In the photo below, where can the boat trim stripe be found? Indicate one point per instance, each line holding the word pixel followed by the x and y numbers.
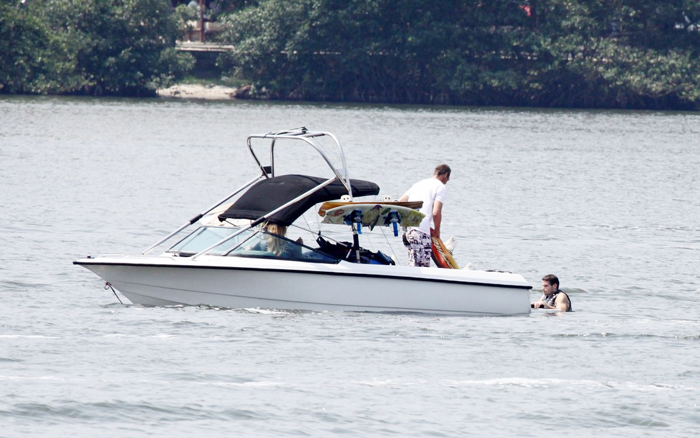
pixel 290 271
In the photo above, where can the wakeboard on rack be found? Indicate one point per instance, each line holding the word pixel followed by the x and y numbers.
pixel 371 214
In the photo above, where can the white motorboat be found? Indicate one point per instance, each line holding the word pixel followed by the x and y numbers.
pixel 232 259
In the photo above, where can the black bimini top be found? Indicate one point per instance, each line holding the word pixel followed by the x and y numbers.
pixel 269 194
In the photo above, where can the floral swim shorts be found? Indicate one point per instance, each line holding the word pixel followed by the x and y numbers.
pixel 419 249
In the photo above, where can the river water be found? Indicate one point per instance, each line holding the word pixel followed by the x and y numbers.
pixel 608 201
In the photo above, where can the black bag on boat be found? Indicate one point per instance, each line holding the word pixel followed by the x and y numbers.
pixel 344 251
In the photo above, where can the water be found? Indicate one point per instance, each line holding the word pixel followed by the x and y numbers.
pixel 609 201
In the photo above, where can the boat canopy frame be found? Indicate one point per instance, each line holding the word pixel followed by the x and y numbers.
pixel 268 194
pixel 309 137
pixel 300 134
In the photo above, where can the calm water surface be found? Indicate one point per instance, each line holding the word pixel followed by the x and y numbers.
pixel 609 201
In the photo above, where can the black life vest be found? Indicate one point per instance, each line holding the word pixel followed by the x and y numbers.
pixel 551 300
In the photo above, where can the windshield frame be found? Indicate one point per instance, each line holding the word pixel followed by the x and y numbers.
pixel 215 233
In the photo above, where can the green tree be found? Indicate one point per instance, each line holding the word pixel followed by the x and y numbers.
pixel 609 53
pixel 121 47
pixel 377 50
pixel 32 60
pixel 618 54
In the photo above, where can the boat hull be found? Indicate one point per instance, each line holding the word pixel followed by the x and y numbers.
pixel 344 287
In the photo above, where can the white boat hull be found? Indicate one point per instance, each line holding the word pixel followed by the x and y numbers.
pixel 234 282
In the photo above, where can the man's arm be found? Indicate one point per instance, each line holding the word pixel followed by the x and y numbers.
pixel 562 303
pixel 403 198
pixel 437 217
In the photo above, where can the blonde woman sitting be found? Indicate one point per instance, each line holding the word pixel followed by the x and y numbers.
pixel 279 246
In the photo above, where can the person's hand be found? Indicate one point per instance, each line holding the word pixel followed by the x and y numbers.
pixel 300 241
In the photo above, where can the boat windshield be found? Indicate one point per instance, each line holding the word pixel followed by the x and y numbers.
pixel 203 237
pixel 273 246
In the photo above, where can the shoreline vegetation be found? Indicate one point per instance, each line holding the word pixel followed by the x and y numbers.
pixel 616 54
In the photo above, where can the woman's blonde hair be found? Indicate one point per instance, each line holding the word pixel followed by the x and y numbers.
pixel 274 244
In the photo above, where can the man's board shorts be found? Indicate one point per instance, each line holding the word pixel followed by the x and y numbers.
pixel 419 249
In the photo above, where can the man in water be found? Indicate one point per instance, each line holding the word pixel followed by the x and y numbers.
pixel 432 192
pixel 552 296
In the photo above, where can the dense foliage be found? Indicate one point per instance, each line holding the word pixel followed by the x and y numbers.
pixel 565 53
pixel 121 47
pixel 571 53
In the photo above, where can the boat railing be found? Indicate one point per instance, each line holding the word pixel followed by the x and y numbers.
pixel 308 137
pixel 201 215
